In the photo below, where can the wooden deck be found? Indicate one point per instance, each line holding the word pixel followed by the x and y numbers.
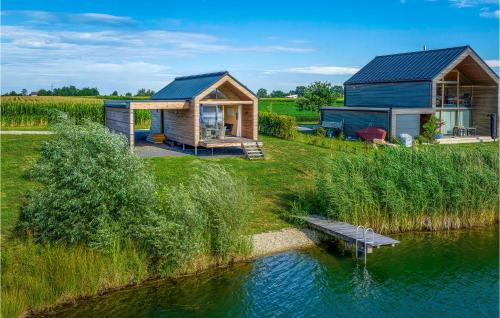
pixel 226 142
pixel 347 232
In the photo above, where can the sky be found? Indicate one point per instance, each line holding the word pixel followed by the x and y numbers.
pixel 126 45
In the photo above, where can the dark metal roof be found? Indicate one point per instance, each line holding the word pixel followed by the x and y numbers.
pixel 406 67
pixel 187 87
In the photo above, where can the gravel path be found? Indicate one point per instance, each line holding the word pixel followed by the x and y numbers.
pixel 279 241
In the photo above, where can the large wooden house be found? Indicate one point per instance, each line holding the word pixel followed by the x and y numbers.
pixel 207 110
pixel 399 92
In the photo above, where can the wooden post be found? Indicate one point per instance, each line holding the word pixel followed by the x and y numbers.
pixel 131 129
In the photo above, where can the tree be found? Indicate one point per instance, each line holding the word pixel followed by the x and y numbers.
pixel 261 93
pixel 128 94
pixel 145 92
pixel 299 90
pixel 44 92
pixel 338 91
pixel 24 92
pixel 277 94
pixel 115 93
pixel 315 96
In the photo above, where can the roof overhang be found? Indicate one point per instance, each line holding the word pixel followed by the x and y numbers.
pixel 148 104
pixel 469 52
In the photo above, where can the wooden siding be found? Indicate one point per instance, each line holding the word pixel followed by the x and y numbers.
pixel 415 94
pixel 179 126
pixel 355 120
pixel 485 102
pixel 121 121
pixel 155 127
pixel 249 121
pixel 407 124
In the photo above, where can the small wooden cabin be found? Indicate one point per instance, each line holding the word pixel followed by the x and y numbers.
pixel 399 92
pixel 207 110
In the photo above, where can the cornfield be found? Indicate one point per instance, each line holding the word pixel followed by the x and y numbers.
pixel 31 111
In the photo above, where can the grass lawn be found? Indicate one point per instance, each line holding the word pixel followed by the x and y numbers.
pixel 18 153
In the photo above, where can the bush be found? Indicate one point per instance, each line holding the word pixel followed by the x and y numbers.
pixel 321 131
pixel 280 126
pixel 92 187
pixel 398 189
pixel 430 129
pixel 205 217
pixel 95 192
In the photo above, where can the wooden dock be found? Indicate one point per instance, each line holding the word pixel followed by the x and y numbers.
pixel 349 233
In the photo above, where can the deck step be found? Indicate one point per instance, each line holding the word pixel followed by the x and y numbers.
pixel 253 150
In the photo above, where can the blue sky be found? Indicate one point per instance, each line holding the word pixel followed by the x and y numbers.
pixel 126 45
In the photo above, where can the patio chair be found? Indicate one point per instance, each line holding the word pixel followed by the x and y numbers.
pixel 228 128
pixel 333 126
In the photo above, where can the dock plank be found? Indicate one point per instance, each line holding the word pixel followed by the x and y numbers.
pixel 346 231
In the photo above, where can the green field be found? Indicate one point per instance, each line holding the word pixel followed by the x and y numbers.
pixel 288 106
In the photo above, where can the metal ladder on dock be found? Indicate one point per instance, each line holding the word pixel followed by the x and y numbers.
pixel 252 150
pixel 364 240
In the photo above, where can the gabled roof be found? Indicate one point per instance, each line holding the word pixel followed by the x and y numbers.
pixel 188 87
pixel 406 67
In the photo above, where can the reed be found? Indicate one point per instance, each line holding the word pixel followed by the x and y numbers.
pixel 33 111
pixel 397 190
pixel 37 275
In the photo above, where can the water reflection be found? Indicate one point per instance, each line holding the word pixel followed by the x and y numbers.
pixel 427 275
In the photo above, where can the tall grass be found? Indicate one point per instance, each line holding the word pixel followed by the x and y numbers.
pixel 33 111
pixel 36 275
pixel 395 190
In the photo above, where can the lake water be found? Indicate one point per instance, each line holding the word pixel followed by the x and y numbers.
pixel 452 274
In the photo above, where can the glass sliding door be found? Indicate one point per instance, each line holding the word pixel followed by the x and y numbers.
pixel 211 121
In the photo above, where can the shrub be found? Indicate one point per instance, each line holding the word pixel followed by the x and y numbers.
pixel 321 131
pixel 95 192
pixel 92 187
pixel 280 126
pixel 430 129
pixel 398 189
pixel 205 217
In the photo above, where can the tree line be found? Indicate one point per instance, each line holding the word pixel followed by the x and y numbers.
pixel 74 91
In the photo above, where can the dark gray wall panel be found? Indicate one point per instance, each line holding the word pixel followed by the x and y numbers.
pixel 415 94
pixel 356 120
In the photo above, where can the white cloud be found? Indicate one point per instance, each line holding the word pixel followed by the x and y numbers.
pixel 471 3
pixel 37 57
pixel 324 70
pixel 486 13
pixel 493 63
pixel 44 18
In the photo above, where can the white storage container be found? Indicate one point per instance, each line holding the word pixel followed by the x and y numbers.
pixel 406 140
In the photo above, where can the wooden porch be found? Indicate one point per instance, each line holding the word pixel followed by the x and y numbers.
pixel 226 142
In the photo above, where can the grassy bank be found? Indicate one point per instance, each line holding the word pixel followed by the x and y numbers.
pixel 288 106
pixel 36 275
